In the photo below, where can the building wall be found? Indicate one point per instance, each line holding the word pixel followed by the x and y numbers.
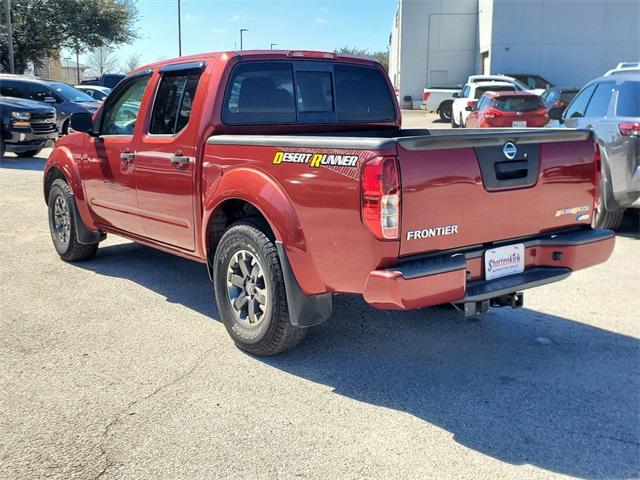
pixel 440 42
pixel 568 42
pixel 436 44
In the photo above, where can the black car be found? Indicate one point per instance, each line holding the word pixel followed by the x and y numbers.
pixel 26 127
pixel 558 96
pixel 532 81
pixel 64 98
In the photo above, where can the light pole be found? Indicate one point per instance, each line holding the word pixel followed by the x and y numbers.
pixel 12 66
pixel 242 30
pixel 273 45
pixel 179 32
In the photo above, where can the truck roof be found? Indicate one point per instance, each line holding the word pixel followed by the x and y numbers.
pixel 264 55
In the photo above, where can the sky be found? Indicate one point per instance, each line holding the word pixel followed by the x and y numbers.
pixel 213 25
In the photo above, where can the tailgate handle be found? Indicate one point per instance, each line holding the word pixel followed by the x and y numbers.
pixel 512 170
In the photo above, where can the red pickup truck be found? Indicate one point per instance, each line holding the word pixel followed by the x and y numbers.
pixel 288 174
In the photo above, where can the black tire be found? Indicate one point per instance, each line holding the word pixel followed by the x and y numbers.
pixel 445 112
pixel 65 127
pixel 62 227
pixel 29 153
pixel 608 219
pixel 273 332
pixel 2 147
pixel 462 124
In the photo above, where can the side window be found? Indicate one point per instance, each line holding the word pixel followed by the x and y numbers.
pixel 465 91
pixel 172 106
pixel 39 92
pixel 628 103
pixel 10 88
pixel 599 103
pixel 579 104
pixel 120 114
pixel 260 93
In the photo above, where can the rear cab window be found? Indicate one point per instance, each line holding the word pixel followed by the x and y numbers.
pixel 499 88
pixel 306 92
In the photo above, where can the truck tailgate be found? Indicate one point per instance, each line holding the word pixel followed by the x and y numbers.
pixel 479 187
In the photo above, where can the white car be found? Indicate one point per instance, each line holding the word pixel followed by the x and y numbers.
pixel 439 100
pixel 470 94
pixel 97 92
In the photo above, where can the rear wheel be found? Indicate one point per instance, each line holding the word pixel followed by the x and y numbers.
pixel 29 153
pixel 62 227
pixel 250 291
pixel 445 112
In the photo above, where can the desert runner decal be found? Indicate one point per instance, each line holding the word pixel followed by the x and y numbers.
pixel 316 160
pixel 572 210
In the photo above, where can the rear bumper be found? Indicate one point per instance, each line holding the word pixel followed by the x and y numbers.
pixel 458 276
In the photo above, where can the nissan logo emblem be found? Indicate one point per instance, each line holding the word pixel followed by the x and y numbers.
pixel 510 150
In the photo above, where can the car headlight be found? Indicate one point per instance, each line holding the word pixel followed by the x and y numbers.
pixel 21 115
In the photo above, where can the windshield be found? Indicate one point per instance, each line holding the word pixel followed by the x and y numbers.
pixel 497 88
pixel 71 94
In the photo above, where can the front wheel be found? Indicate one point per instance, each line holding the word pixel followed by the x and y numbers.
pixel 250 291
pixel 62 227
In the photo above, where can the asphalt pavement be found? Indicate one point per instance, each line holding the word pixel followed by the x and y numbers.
pixel 118 368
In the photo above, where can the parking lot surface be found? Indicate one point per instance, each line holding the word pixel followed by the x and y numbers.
pixel 118 368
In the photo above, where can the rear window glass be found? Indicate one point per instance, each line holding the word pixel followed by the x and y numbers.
pixel 628 100
pixel 517 104
pixel 500 88
pixel 280 93
pixel 362 95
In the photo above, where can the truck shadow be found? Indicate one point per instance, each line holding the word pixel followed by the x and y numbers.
pixel 520 386
pixel 25 163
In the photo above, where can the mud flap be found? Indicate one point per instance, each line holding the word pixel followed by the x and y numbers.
pixel 83 234
pixel 304 310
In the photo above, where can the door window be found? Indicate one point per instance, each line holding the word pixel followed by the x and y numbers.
pixel 11 88
pixel 173 103
pixel 121 113
pixel 599 103
pixel 579 104
pixel 465 91
pixel 39 92
pixel 628 104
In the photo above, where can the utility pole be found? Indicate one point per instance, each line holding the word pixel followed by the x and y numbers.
pixel 78 64
pixel 242 30
pixel 179 32
pixel 12 66
pixel 273 45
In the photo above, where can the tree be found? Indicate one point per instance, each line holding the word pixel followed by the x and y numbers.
pixel 102 60
pixel 131 62
pixel 42 27
pixel 382 56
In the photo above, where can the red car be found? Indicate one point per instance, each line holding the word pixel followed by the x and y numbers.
pixel 507 109
pixel 288 176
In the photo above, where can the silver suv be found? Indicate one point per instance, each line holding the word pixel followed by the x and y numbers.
pixel 610 106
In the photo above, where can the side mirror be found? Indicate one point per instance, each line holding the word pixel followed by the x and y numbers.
pixel 50 100
pixel 456 95
pixel 555 113
pixel 81 122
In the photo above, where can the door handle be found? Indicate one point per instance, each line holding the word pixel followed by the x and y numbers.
pixel 179 160
pixel 127 157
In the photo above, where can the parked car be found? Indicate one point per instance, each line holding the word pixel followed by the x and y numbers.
pixel 534 83
pixel 507 110
pixel 97 92
pixel 64 98
pixel 439 100
pixel 26 127
pixel 280 171
pixel 610 106
pixel 558 96
pixel 468 96
pixel 497 78
pixel 109 80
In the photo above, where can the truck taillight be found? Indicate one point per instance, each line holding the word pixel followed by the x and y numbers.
pixel 598 198
pixel 381 197
pixel 630 129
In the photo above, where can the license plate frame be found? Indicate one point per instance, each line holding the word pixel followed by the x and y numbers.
pixel 504 261
pixel 519 124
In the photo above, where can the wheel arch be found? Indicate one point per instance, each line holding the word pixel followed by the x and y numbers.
pixel 246 193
